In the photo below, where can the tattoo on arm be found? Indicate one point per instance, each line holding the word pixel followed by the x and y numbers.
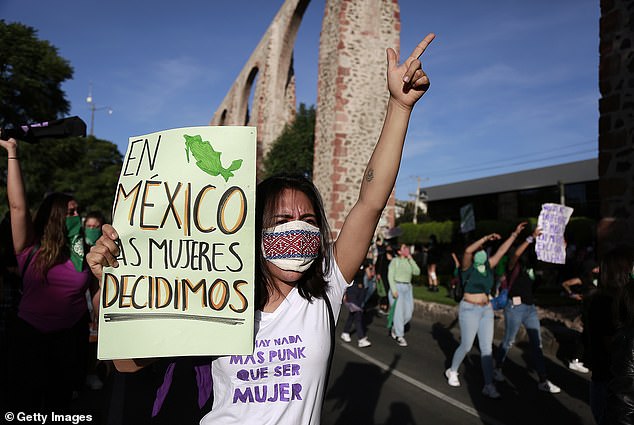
pixel 369 175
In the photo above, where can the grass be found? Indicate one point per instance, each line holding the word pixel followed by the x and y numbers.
pixel 421 292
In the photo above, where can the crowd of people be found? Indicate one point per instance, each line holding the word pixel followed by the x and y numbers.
pixel 50 296
pixel 53 261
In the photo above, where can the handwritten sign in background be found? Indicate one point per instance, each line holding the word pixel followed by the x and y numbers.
pixel 550 246
pixel 184 211
pixel 467 218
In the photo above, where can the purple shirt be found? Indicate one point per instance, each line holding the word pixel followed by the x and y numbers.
pixel 54 303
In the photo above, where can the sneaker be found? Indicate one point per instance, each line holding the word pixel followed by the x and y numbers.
pixel 401 341
pixel 393 334
pixel 548 387
pixel 346 337
pixel 452 378
pixel 93 382
pixel 364 342
pixel 578 366
pixel 497 375
pixel 490 391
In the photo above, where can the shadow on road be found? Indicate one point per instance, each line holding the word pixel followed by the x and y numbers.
pixel 356 392
pixel 400 414
pixel 521 402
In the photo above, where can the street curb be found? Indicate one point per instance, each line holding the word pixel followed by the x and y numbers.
pixel 560 327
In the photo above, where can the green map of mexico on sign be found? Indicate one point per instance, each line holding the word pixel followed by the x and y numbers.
pixel 184 210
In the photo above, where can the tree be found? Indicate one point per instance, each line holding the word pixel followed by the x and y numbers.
pixel 292 152
pixel 407 215
pixel 88 168
pixel 31 75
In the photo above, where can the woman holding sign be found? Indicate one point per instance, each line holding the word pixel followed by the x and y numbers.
pixel 285 379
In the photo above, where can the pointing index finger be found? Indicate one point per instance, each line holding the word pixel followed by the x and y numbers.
pixel 420 49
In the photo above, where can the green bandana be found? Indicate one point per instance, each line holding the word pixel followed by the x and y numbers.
pixel 479 261
pixel 75 242
pixel 531 274
pixel 91 234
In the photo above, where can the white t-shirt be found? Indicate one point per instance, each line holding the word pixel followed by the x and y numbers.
pixel 283 381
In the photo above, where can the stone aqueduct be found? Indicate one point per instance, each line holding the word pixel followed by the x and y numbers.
pixel 353 37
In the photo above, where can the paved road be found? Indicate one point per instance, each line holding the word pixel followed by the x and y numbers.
pixel 388 384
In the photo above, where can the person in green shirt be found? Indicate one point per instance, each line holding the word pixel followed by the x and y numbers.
pixel 400 273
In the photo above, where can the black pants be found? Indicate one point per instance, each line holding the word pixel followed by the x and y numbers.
pixel 44 368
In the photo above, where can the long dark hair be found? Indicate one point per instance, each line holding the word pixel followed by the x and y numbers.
pixel 312 284
pixel 50 232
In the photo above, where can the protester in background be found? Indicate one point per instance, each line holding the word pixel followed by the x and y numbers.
pixel 382 264
pixel 475 313
pixel 607 309
pixel 369 283
pixel 433 257
pixel 455 276
pixel 93 222
pixel 521 310
pixel 299 297
pixel 52 323
pixel 400 273
pixel 92 227
pixel 581 283
pixel 354 299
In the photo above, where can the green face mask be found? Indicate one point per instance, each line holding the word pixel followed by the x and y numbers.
pixel 75 242
pixel 91 234
pixel 479 261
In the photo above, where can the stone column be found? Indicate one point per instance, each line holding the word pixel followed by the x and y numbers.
pixel 351 97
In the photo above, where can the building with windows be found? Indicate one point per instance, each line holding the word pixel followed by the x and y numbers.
pixel 520 194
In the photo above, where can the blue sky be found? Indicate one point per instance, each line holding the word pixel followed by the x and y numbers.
pixel 514 82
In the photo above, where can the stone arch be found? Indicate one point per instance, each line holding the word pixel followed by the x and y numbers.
pixel 274 101
pixel 223 117
pixel 246 94
pixel 353 38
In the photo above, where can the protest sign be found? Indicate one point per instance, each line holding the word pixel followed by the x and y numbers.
pixel 184 212
pixel 467 218
pixel 550 246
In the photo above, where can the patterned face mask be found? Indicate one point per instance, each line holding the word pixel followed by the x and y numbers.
pixel 291 246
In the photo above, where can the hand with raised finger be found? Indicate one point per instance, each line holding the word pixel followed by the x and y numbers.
pixel 408 82
pixel 105 251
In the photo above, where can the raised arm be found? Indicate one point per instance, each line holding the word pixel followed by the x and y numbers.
pixel 506 245
pixel 21 223
pixel 407 83
pixel 467 256
pixel 522 247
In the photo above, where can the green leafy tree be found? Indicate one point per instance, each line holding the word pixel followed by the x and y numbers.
pixel 292 152
pixel 31 74
pixel 88 168
pixel 407 215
